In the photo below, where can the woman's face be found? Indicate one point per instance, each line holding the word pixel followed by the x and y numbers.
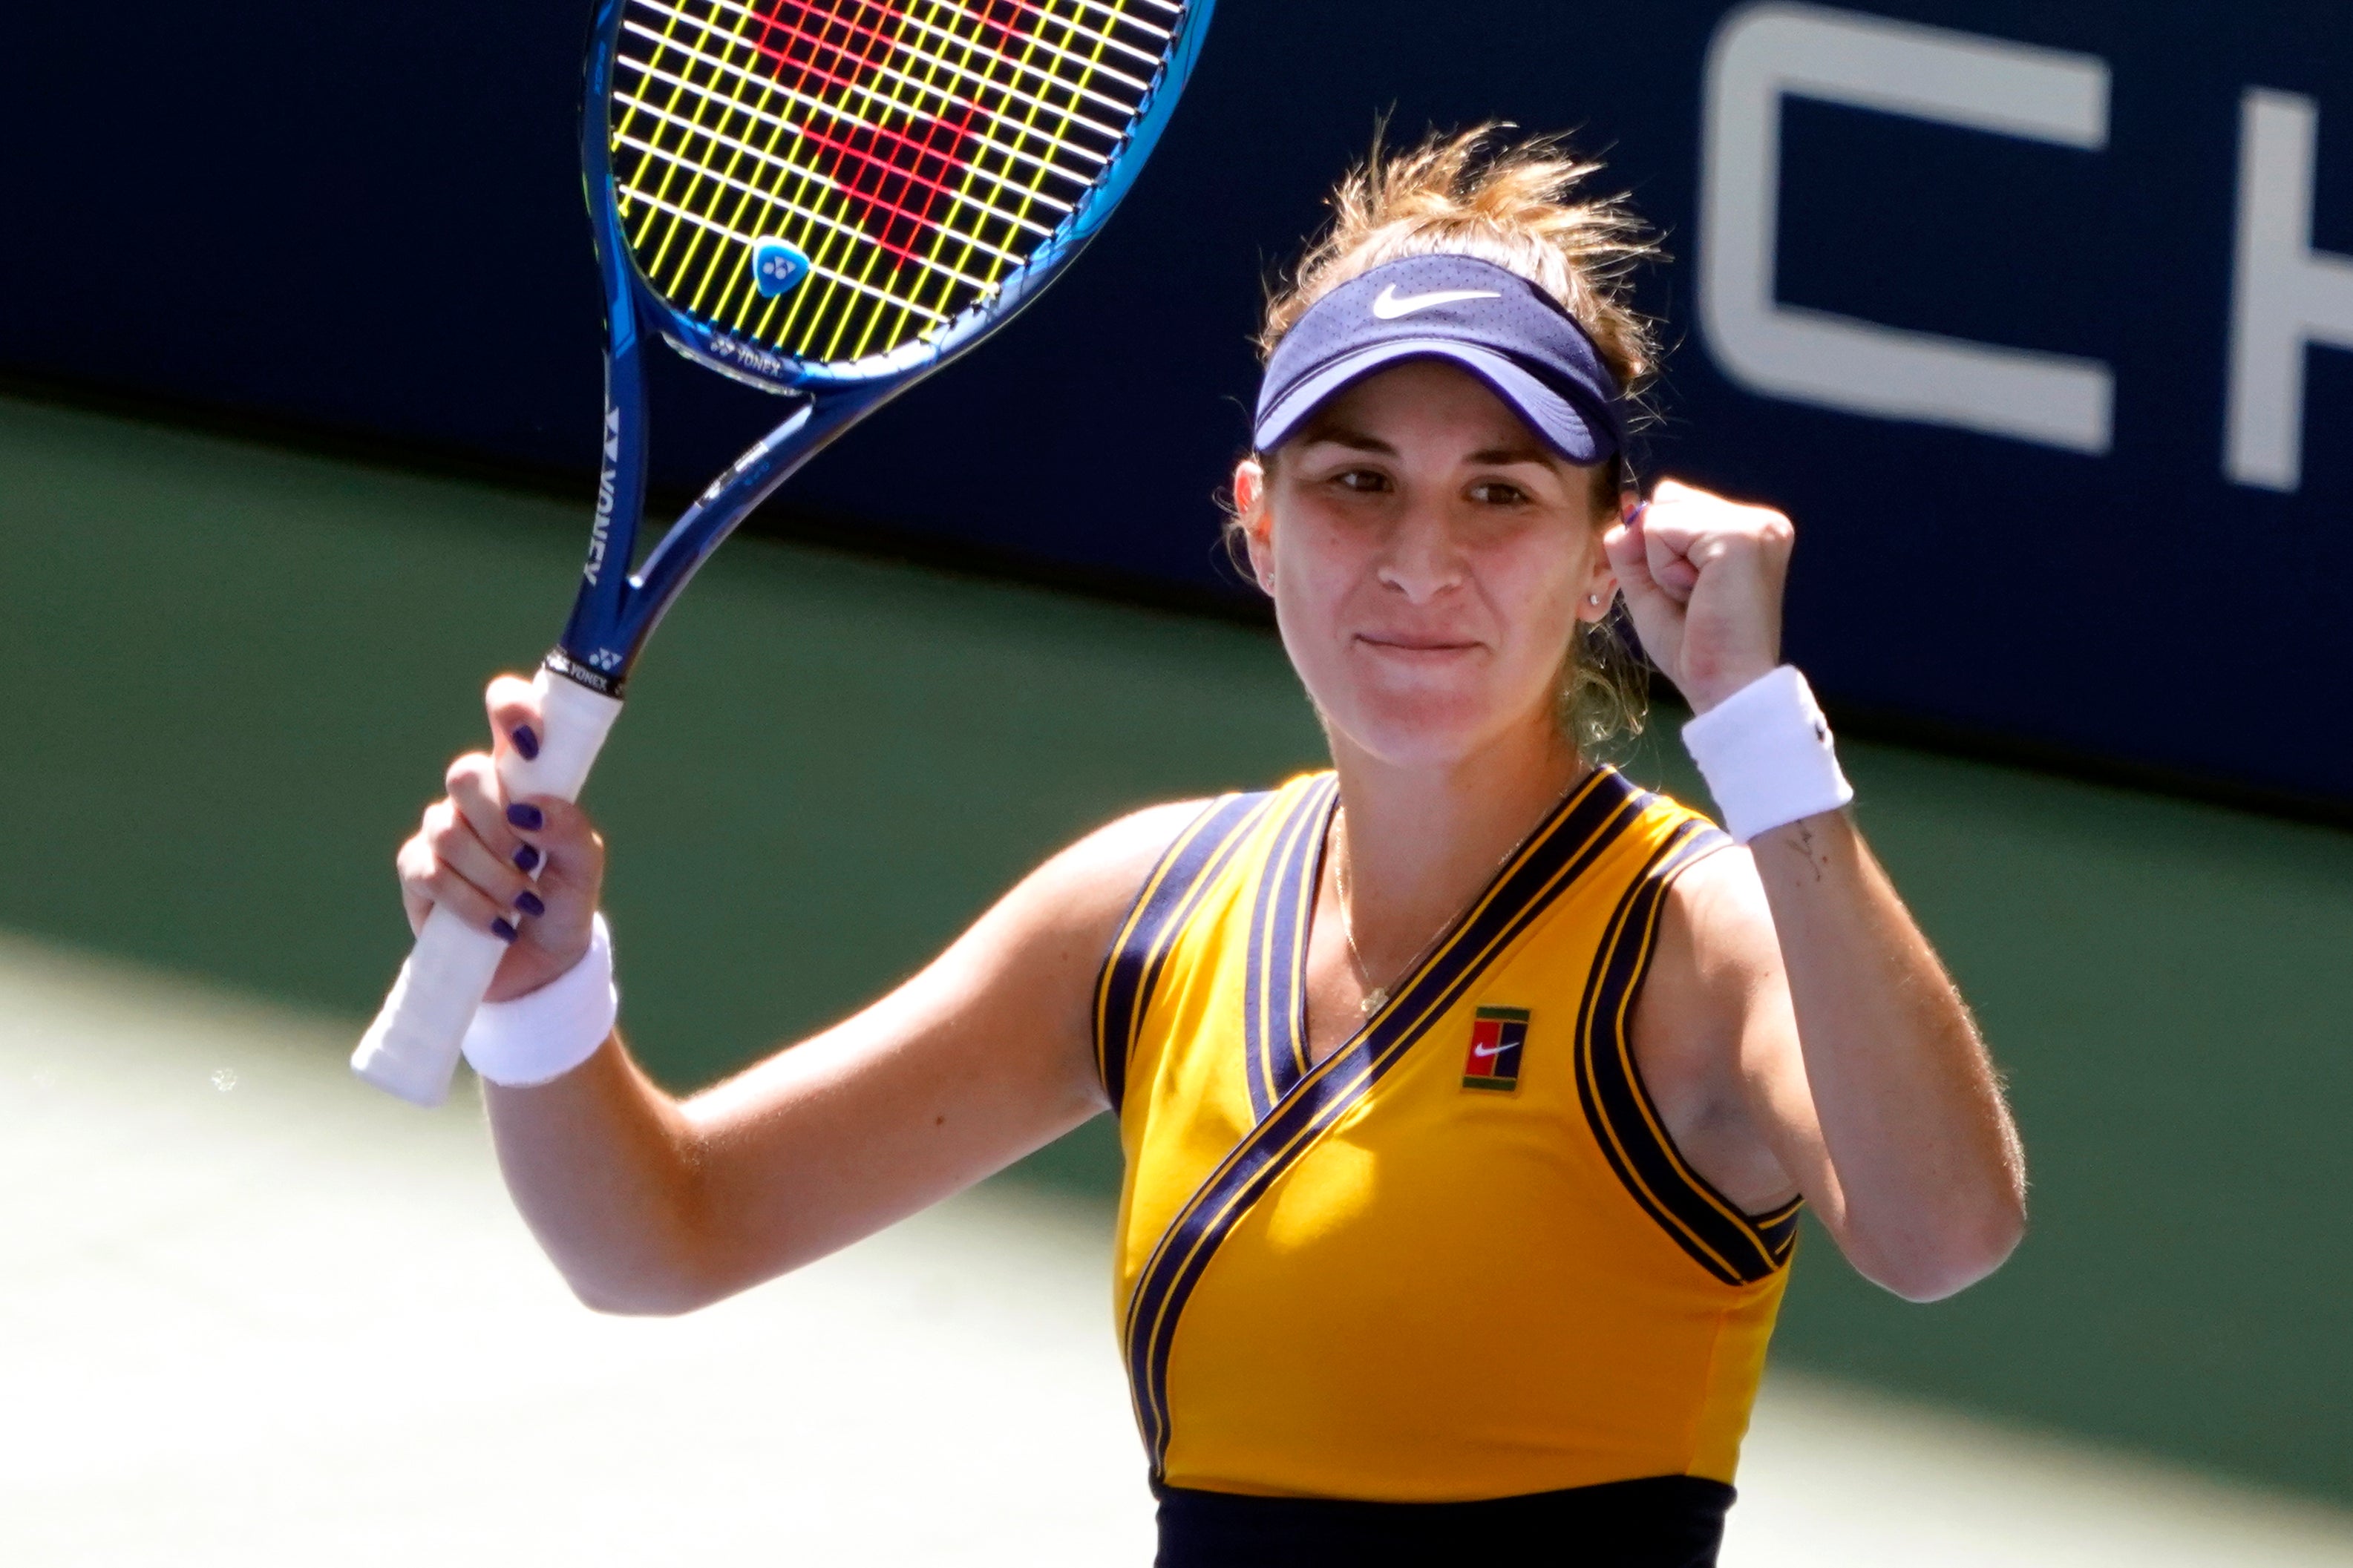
pixel 1429 557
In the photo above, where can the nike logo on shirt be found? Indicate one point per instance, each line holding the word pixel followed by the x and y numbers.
pixel 1489 1050
pixel 1392 305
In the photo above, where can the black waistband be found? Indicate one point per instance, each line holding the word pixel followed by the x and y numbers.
pixel 1663 1522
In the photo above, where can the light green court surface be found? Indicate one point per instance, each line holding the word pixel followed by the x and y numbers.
pixel 235 673
pixel 279 1321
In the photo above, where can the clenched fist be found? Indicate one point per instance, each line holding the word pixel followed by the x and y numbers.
pixel 1702 579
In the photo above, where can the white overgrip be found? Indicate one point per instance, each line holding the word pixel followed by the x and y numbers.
pixel 411 1050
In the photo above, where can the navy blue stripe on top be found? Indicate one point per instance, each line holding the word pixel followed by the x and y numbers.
pixel 1163 905
pixel 1705 1224
pixel 1275 981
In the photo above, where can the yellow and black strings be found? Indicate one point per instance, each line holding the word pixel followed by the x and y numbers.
pixel 916 152
pixel 831 232
pixel 945 40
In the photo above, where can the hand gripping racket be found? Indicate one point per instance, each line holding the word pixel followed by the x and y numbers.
pixel 825 199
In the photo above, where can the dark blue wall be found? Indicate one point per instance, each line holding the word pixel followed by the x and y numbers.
pixel 369 218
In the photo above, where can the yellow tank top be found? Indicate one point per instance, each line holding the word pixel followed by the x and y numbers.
pixel 1460 1259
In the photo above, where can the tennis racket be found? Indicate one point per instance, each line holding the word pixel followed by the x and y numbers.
pixel 824 199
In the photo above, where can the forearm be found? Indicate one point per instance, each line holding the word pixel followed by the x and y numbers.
pixel 1928 1184
pixel 606 1171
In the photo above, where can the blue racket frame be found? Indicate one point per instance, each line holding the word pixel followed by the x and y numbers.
pixel 619 604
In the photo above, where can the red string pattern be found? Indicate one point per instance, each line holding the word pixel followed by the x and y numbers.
pixel 900 183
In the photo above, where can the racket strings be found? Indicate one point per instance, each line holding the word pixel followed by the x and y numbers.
pixel 914 151
pixel 857 42
pixel 874 194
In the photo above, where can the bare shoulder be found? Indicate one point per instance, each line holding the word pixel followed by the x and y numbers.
pixel 1059 922
pixel 1717 926
pixel 1715 960
pixel 1713 1008
pixel 1096 879
pixel 1005 1011
pixel 1022 982
pixel 1134 842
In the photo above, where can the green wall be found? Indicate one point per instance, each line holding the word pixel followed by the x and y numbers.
pixel 234 674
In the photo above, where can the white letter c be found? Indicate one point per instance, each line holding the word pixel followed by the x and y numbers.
pixel 1762 53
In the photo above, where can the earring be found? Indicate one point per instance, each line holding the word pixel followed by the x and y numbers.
pixel 1594 599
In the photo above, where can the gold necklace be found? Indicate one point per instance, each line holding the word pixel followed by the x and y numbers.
pixel 1376 997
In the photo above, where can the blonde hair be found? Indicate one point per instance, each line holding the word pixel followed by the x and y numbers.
pixel 1519 205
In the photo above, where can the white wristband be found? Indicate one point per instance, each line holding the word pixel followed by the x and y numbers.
pixel 1766 754
pixel 541 1035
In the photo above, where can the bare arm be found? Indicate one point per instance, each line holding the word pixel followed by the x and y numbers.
pixel 651 1204
pixel 1909 1144
pixel 1802 1031
pixel 1825 1052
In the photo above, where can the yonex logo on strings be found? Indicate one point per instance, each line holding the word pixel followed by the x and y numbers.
pixel 777 266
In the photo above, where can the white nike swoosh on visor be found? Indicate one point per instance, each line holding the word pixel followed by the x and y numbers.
pixel 1390 306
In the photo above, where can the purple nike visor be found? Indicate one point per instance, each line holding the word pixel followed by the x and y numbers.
pixel 1494 324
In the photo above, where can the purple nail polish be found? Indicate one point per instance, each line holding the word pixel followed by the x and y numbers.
pixel 528 902
pixel 527 817
pixel 526 859
pixel 503 931
pixel 527 741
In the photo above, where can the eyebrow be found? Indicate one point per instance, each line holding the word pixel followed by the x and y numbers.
pixel 1487 457
pixel 1341 435
pixel 1502 457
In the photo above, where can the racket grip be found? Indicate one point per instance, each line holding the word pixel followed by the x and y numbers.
pixel 411 1050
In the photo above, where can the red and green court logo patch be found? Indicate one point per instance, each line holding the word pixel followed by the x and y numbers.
pixel 1497 1036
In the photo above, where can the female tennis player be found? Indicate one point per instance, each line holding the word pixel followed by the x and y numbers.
pixel 1469 1093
